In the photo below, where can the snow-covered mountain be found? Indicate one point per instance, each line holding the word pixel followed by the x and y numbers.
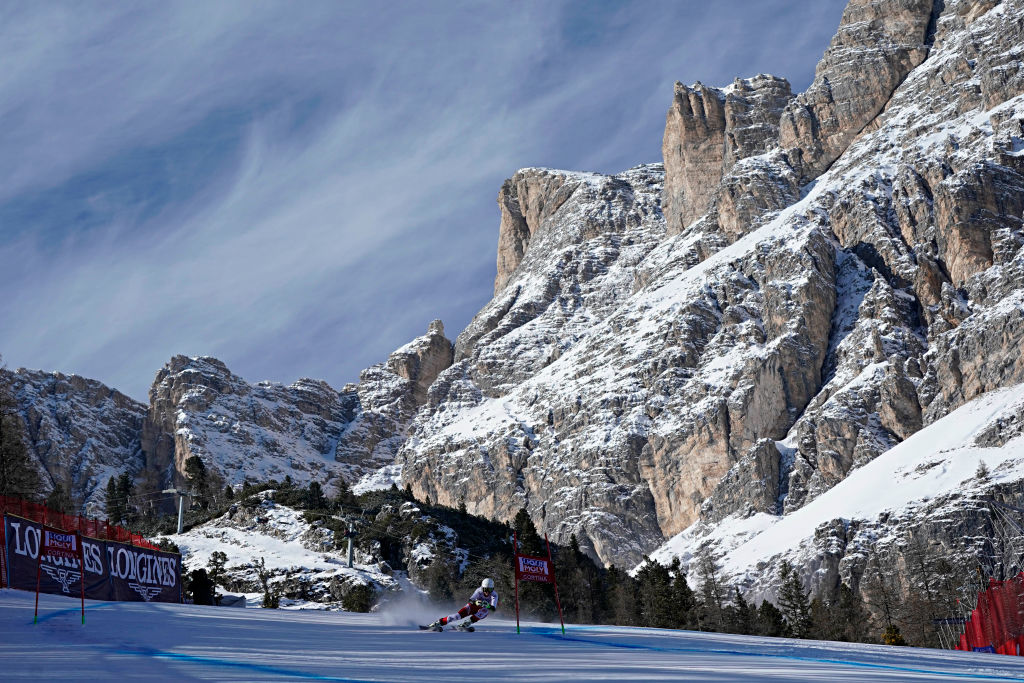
pixel 721 345
pixel 937 484
pixel 79 432
pixel 850 274
pixel 82 432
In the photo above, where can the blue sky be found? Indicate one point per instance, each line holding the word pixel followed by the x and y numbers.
pixel 300 188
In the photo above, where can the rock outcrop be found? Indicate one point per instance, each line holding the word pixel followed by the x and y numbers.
pixel 241 430
pixel 707 131
pixel 774 336
pixel 307 430
pixel 876 46
pixel 79 431
pixel 389 395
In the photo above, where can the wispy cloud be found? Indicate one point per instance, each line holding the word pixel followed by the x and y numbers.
pixel 299 189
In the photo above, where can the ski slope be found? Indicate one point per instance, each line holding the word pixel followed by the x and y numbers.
pixel 186 642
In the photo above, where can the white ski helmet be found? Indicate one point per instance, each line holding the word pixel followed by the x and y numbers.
pixel 487 584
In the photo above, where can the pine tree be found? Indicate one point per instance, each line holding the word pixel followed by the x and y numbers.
pixel 216 567
pixel 823 624
pixel 654 595
pixel 793 602
pixel 530 542
pixel 770 621
pixel 125 491
pixel 714 600
pixel 198 477
pixel 852 615
pixel 315 496
pixel 113 507
pixel 18 474
pixel 742 617
pixel 59 499
pixel 684 600
pixel 621 588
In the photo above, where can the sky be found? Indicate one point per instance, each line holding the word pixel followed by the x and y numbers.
pixel 299 188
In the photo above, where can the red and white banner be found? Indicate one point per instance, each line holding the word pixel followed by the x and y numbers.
pixel 530 568
pixel 60 544
pixel 537 570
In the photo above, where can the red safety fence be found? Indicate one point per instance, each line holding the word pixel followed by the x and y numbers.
pixel 86 526
pixel 997 623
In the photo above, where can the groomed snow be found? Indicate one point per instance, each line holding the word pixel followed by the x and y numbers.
pixel 186 642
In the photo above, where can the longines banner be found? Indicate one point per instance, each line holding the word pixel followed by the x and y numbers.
pixel 113 571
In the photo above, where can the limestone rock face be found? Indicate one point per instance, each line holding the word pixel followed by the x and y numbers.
pixel 608 398
pixel 877 45
pixel 766 337
pixel 924 210
pixel 307 430
pixel 79 431
pixel 388 396
pixel 707 130
pixel 526 200
pixel 241 430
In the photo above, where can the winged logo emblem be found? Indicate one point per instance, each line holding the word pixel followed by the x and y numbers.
pixel 147 592
pixel 65 577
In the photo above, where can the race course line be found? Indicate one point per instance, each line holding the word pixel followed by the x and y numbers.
pixel 228 664
pixel 70 610
pixel 816 660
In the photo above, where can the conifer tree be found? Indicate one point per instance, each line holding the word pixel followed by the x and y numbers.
pixel 621 589
pixel 530 542
pixel 793 602
pixel 684 600
pixel 851 613
pixel 742 616
pixel 19 476
pixel 770 621
pixel 713 597
pixel 654 595
pixel 198 478
pixel 59 499
pixel 315 496
pixel 216 567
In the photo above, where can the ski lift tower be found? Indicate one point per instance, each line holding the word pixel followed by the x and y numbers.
pixel 181 505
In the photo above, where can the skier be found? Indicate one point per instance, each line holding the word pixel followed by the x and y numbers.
pixel 481 603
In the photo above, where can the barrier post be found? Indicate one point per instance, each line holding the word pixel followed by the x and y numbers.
pixel 554 580
pixel 81 567
pixel 515 571
pixel 39 569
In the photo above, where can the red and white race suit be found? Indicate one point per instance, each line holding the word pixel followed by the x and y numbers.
pixel 473 610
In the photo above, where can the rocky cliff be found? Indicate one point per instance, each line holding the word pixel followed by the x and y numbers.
pixel 78 431
pixel 710 346
pixel 307 430
pixel 826 273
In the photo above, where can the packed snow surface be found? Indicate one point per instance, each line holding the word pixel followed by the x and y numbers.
pixel 186 642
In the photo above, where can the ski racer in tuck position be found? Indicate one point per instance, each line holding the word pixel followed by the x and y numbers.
pixel 481 603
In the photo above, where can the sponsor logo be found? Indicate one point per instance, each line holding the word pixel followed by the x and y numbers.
pixel 147 592
pixel 529 565
pixel 65 577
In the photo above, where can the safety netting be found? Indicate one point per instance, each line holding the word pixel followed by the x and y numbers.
pixel 997 623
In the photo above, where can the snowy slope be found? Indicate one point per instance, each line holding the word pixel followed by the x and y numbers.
pixel 301 556
pixel 179 642
pixel 938 464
